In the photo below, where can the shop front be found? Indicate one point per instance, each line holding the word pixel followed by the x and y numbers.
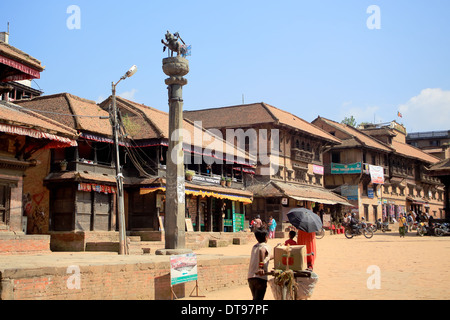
pixel 208 208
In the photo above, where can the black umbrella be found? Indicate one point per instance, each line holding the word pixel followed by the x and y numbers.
pixel 305 220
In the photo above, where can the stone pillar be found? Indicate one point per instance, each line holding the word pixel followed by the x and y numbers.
pixel 175 68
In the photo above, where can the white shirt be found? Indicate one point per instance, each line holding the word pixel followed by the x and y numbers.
pixel 254 261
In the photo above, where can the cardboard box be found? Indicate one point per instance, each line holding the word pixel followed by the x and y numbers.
pixel 295 261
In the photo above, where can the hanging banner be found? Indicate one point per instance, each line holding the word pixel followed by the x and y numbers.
pixel 376 174
pixel 88 187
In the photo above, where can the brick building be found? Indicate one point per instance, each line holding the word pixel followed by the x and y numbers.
pixel 289 150
pixel 379 173
pixel 24 135
pixel 82 196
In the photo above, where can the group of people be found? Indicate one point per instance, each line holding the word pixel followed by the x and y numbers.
pixel 271 226
pixel 261 253
pixel 406 222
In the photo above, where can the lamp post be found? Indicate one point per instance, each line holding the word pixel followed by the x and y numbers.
pixel 123 248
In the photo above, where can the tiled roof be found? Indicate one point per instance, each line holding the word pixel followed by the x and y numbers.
pixel 9 51
pixel 413 152
pixel 156 124
pixel 244 116
pixel 72 111
pixel 16 115
pixel 356 135
pixel 366 140
pixel 440 168
pixel 297 191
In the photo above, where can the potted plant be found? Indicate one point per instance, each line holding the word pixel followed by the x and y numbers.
pixel 189 174
pixel 222 181
pixel 63 165
pixel 228 182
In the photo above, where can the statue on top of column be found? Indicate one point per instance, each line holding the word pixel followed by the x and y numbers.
pixel 175 46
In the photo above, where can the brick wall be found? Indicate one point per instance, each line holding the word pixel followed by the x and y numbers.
pixel 11 244
pixel 36 195
pixel 150 281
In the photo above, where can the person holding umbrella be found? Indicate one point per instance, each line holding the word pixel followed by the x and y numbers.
pixel 307 223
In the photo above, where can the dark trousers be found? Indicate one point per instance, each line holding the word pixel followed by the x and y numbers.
pixel 258 288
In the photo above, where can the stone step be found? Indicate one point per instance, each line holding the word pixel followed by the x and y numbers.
pixel 215 243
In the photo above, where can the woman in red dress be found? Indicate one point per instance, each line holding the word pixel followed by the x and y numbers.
pixel 308 240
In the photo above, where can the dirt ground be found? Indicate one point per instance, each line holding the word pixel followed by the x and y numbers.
pixel 385 267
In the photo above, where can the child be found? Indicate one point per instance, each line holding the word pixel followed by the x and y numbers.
pixel 291 240
pixel 259 263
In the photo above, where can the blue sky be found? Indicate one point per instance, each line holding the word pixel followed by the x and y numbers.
pixel 310 58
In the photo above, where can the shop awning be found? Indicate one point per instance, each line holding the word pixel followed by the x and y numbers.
pixel 37 134
pixel 203 193
pixel 26 73
pixel 300 192
pixel 324 201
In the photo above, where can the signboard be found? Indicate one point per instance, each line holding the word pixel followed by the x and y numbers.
pixel 189 226
pixel 183 268
pixel 376 174
pixel 238 222
pixel 350 192
pixel 206 179
pixel 326 220
pixel 339 168
pixel 370 193
pixel 318 169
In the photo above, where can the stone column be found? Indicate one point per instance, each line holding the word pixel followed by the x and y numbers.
pixel 175 68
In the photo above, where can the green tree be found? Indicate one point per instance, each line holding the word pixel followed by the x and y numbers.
pixel 350 121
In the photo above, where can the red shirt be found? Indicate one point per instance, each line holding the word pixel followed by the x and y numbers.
pixel 290 242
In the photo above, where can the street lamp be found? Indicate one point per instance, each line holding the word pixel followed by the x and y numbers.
pixel 123 248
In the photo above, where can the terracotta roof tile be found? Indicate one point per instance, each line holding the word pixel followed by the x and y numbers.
pixel 396 146
pixel 13 114
pixel 157 126
pixel 65 108
pixel 244 116
pixel 357 136
pixel 9 51
pixel 282 189
pixel 410 151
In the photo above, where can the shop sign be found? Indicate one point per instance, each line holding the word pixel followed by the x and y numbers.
pixel 339 168
pixel 350 192
pixel 206 179
pixel 318 169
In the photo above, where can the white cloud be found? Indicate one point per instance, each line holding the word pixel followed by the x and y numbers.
pixel 428 111
pixel 361 114
pixel 129 95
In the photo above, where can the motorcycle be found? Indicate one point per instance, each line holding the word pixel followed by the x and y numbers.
pixel 359 229
pixel 442 229
pixel 372 227
pixel 421 229
pixel 383 226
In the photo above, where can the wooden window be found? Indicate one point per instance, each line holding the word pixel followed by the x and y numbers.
pixel 5 195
